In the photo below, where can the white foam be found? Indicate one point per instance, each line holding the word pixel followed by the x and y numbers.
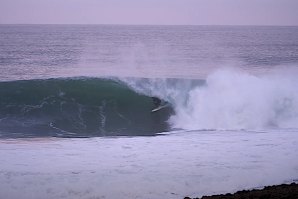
pixel 170 166
pixel 237 100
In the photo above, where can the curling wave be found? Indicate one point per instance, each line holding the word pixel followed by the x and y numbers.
pixel 226 100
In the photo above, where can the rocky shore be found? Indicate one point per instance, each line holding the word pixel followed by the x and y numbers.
pixel 284 191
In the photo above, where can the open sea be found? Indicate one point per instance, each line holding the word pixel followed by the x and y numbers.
pixel 76 105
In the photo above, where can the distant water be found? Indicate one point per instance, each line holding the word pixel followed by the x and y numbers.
pixel 76 101
pixel 49 51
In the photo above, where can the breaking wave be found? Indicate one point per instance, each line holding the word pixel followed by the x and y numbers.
pixel 225 100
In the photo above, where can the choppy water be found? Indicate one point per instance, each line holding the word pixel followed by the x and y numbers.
pixel 230 88
pixel 47 51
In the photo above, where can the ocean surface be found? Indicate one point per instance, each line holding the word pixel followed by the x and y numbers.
pixel 76 101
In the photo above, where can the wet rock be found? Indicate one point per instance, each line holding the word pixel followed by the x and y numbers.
pixel 283 191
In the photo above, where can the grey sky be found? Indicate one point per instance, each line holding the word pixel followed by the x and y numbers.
pixel 196 12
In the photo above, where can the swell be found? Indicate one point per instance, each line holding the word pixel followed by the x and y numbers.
pixel 77 107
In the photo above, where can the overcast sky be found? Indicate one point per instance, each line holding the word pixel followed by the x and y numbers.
pixel 183 12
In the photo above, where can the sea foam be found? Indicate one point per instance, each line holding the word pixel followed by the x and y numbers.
pixel 238 100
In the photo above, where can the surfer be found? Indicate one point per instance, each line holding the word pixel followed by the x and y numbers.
pixel 159 104
pixel 156 101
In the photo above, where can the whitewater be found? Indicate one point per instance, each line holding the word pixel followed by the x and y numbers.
pixel 76 120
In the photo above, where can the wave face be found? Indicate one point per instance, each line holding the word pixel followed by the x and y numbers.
pixel 236 100
pixel 77 108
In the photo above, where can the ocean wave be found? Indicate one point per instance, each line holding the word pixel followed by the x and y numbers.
pixel 76 107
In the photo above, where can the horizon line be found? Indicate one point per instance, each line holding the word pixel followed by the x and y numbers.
pixel 115 24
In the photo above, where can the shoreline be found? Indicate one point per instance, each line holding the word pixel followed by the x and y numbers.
pixel 282 191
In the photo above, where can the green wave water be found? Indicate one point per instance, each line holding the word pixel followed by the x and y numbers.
pixel 77 107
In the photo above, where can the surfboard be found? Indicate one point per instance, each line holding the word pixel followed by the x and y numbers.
pixel 158 108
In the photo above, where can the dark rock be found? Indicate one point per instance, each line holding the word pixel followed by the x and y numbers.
pixel 283 191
